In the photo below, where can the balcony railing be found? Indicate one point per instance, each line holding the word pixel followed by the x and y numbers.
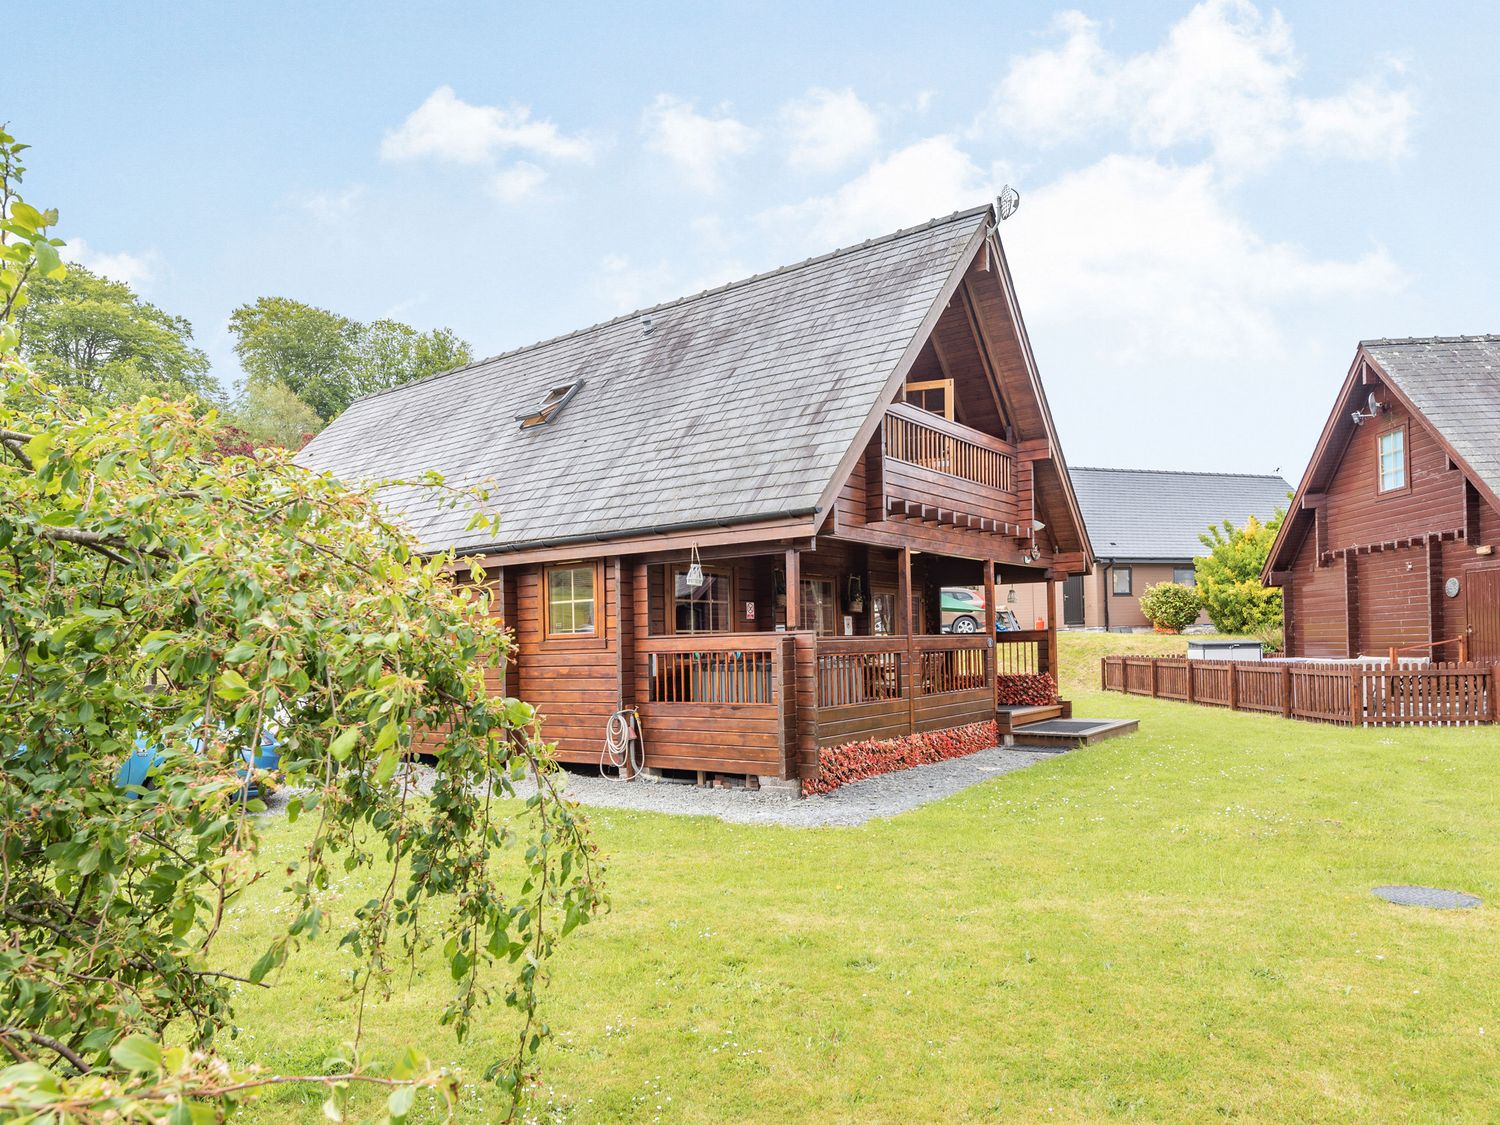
pixel 918 437
pixel 935 470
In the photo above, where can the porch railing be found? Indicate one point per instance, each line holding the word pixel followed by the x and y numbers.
pixel 1349 693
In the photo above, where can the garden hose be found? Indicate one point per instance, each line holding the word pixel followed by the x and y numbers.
pixel 624 747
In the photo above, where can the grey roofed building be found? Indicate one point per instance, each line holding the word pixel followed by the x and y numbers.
pixel 1455 382
pixel 1149 515
pixel 734 405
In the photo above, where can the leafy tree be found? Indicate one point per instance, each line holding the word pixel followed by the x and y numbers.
pixel 1171 606
pixel 84 331
pixel 162 603
pixel 1229 576
pixel 329 360
pixel 270 413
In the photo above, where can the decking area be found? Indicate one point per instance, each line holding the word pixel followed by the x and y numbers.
pixel 766 703
pixel 1349 693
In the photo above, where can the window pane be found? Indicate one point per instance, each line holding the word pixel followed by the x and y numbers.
pixel 1184 576
pixel 570 600
pixel 562 617
pixel 583 583
pixel 1121 579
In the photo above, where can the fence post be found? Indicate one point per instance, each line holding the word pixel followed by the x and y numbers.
pixel 1192 695
pixel 1153 677
pixel 1495 693
pixel 1104 673
pixel 1286 691
pixel 1356 696
pixel 1234 685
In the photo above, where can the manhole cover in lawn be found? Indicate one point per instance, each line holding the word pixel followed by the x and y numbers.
pixel 1432 897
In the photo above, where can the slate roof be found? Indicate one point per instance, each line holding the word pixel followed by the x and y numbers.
pixel 737 405
pixel 1152 515
pixel 1455 382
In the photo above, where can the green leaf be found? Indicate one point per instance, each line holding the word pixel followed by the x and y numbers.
pixel 241 653
pixel 385 737
pixel 387 767
pixel 232 685
pixel 136 1053
pixel 400 1102
pixel 342 746
pixel 26 214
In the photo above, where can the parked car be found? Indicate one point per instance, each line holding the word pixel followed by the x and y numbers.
pixel 963 611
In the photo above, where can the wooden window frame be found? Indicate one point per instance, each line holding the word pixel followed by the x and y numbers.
pixel 945 385
pixel 804 603
pixel 1129 573
pixel 726 573
pixel 595 637
pixel 1405 485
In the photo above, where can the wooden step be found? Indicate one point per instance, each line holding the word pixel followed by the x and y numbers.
pixel 1009 719
pixel 1069 734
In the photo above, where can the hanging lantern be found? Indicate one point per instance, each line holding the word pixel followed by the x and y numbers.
pixel 856 598
pixel 695 571
pixel 1010 598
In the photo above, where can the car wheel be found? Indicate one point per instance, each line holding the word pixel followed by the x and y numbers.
pixel 965 624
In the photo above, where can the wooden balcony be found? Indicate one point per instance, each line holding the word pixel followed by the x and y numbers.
pixel 930 469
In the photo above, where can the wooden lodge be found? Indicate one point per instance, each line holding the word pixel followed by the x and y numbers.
pixel 734 513
pixel 1389 548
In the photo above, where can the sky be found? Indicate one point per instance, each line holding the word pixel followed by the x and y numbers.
pixel 1218 201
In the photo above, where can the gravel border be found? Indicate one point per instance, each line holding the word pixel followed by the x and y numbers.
pixel 887 795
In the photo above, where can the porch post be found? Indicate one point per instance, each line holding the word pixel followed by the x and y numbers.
pixel 913 674
pixel 990 654
pixel 793 589
pixel 1052 625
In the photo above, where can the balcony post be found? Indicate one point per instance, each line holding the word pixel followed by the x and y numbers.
pixel 990 655
pixel 912 676
pixel 793 589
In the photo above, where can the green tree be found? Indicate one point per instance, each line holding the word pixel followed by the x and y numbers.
pixel 270 413
pixel 329 360
pixel 98 336
pixel 164 604
pixel 1171 606
pixel 1229 576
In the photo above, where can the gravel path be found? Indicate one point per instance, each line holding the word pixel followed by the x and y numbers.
pixel 887 795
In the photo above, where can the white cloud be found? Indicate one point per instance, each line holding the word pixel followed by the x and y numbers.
pixel 929 178
pixel 1153 260
pixel 134 270
pixel 828 128
pixel 520 180
pixel 699 146
pixel 333 206
pixel 1224 78
pixel 445 127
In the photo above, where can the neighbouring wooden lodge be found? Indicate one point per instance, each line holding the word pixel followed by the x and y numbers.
pixel 1390 543
pixel 734 512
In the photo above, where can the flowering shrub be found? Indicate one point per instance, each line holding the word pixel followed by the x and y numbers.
pixel 1034 689
pixel 854 761
pixel 1170 606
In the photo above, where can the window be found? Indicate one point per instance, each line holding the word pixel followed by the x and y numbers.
pixel 570 601
pixel 820 610
pixel 1184 576
pixel 932 395
pixel 704 610
pixel 550 406
pixel 1393 459
pixel 883 614
pixel 1120 577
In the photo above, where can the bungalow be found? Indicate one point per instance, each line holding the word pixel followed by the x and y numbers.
pixel 1145 526
pixel 1390 543
pixel 732 513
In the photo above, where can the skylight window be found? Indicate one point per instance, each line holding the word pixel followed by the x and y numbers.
pixel 550 406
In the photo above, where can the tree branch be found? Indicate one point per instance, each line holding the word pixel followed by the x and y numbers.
pixel 51 1044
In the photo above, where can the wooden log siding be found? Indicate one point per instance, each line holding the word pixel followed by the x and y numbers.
pixel 1361 694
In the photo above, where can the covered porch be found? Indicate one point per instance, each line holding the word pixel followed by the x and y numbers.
pixel 762 659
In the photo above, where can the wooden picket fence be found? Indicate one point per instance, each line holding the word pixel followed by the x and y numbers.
pixel 1327 692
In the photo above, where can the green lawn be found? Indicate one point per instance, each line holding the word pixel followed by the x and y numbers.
pixel 1172 926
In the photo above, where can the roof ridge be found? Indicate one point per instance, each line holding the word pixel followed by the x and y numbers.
pixel 816 259
pixel 1387 341
pixel 1177 472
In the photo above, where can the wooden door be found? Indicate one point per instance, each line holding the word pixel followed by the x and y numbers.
pixel 1483 606
pixel 1073 600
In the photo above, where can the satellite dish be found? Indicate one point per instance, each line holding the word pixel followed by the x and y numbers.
pixel 1372 405
pixel 1008 203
